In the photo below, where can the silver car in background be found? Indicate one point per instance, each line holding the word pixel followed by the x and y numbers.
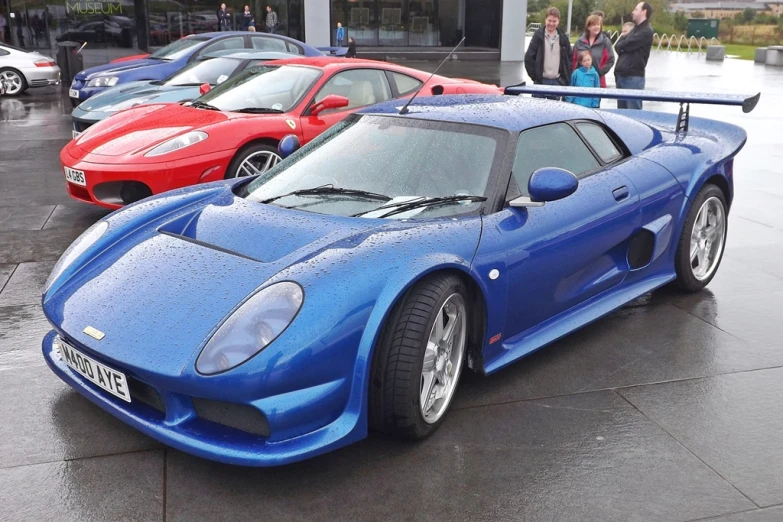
pixel 21 69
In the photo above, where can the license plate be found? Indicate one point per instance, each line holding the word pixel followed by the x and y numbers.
pixel 76 134
pixel 73 93
pixel 104 377
pixel 75 176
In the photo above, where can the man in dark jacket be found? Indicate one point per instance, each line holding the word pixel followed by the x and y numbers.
pixel 633 51
pixel 548 57
pixel 224 18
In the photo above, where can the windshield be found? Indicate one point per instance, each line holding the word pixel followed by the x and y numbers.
pixel 404 159
pixel 15 48
pixel 263 87
pixel 177 49
pixel 213 72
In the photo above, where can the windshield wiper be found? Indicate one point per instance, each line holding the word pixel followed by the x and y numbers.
pixel 258 110
pixel 203 105
pixel 404 206
pixel 330 189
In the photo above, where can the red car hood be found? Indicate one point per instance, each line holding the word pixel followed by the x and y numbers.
pixel 139 129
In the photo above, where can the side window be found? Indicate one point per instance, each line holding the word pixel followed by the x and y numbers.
pixel 264 43
pixel 294 49
pixel 405 84
pixel 601 143
pixel 234 42
pixel 556 145
pixel 360 86
pixel 3 52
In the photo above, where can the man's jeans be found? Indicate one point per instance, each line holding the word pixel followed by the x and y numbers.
pixel 548 81
pixel 629 82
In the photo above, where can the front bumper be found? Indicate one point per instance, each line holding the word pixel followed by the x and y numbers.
pixel 83 120
pixel 42 76
pixel 83 91
pixel 298 414
pixel 105 182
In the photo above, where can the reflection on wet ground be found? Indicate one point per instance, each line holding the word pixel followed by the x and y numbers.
pixel 668 409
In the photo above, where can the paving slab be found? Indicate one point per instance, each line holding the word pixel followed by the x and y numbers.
pixel 22 328
pixel 24 217
pixel 20 246
pixel 26 285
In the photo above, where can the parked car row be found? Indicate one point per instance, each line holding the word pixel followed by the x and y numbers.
pixel 310 295
pixel 21 69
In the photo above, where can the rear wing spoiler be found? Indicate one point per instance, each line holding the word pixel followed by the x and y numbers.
pixel 747 102
pixel 333 51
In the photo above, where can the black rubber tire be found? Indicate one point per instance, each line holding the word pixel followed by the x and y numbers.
pixel 21 76
pixel 244 152
pixel 399 356
pixel 682 262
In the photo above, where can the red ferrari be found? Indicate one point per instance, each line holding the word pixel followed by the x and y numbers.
pixel 233 130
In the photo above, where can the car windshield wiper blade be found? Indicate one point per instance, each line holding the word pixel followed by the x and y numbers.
pixel 203 105
pixel 330 189
pixel 258 110
pixel 404 206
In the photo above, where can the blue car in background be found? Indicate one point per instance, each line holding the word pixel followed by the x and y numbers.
pixel 166 61
pixel 184 85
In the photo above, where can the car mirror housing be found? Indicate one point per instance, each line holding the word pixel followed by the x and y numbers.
pixel 204 88
pixel 333 101
pixel 288 145
pixel 547 184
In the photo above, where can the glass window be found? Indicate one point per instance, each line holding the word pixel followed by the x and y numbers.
pixel 3 52
pixel 265 43
pixel 177 49
pixel 598 139
pixel 234 42
pixel 403 159
pixel 405 84
pixel 294 49
pixel 360 86
pixel 555 145
pixel 212 71
pixel 263 89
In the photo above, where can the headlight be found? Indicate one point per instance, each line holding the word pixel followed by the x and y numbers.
pixel 77 248
pixel 127 104
pixel 180 142
pixel 251 328
pixel 103 81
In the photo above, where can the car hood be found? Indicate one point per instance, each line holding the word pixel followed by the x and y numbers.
pixel 159 291
pixel 110 69
pixel 137 93
pixel 140 128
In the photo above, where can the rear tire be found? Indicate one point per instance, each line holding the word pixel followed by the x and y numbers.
pixel 703 239
pixel 252 159
pixel 419 358
pixel 15 80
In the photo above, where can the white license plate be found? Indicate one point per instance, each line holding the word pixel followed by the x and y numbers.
pixel 76 134
pixel 110 380
pixel 73 93
pixel 75 176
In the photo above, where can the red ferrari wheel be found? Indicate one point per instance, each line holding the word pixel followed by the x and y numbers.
pixel 252 160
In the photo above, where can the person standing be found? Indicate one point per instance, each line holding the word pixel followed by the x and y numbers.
pixel 595 40
pixel 351 48
pixel 633 51
pixel 548 58
pixel 247 17
pixel 340 34
pixel 271 19
pixel 224 18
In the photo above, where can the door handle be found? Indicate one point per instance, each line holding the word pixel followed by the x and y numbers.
pixel 620 193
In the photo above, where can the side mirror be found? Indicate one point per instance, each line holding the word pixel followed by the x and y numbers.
pixel 333 101
pixel 547 184
pixel 288 145
pixel 204 88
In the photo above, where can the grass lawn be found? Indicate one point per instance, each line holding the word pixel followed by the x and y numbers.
pixel 745 52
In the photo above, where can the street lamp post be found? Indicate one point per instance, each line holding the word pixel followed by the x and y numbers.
pixel 570 8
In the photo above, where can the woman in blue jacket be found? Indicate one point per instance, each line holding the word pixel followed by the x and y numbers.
pixel 585 76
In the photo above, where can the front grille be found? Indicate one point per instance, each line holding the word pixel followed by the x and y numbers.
pixel 81 126
pixel 146 394
pixel 238 416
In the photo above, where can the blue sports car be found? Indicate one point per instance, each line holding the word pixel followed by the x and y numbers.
pixel 184 85
pixel 260 321
pixel 166 61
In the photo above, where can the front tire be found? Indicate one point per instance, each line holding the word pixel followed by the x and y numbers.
pixel 419 358
pixel 253 159
pixel 702 240
pixel 14 80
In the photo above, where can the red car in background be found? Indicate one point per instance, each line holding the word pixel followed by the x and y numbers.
pixel 233 130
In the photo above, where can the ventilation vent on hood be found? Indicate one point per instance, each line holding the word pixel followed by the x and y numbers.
pixel 208 245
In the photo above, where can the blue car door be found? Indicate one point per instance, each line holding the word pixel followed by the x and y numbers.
pixel 554 257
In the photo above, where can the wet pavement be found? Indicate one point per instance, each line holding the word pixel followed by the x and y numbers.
pixel 668 409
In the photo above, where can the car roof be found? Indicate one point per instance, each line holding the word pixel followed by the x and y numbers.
pixel 307 47
pixel 326 61
pixel 513 113
pixel 249 54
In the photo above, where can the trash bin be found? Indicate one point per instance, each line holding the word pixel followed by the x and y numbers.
pixel 69 61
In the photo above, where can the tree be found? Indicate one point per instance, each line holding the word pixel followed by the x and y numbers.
pixel 680 21
pixel 748 14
